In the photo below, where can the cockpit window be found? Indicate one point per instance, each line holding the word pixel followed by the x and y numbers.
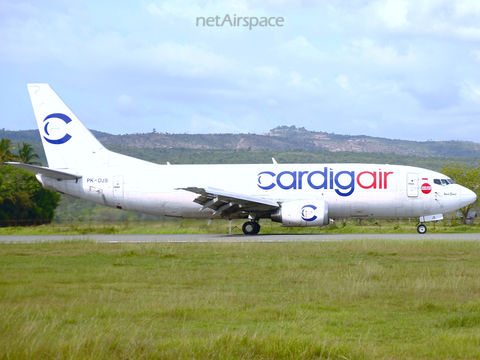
pixel 443 182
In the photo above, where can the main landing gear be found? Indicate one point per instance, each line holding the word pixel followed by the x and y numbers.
pixel 421 228
pixel 251 228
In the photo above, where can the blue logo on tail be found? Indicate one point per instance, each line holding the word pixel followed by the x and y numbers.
pixel 63 139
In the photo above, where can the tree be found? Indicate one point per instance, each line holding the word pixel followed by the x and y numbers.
pixel 6 148
pixel 465 176
pixel 5 192
pixel 22 197
pixel 16 202
pixel 26 154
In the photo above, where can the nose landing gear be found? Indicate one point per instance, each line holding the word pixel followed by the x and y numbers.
pixel 421 228
pixel 251 228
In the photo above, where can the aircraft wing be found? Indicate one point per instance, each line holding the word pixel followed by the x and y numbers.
pixel 224 202
pixel 54 174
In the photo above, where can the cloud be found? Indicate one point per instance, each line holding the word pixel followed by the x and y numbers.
pixel 113 50
pixel 267 71
pixel 271 102
pixel 445 18
pixel 443 97
pixel 192 9
pixel 300 47
pixel 470 91
pixel 202 125
pixel 126 106
pixel 298 83
pixel 393 13
pixel 402 61
pixel 368 50
pixel 154 10
pixel 185 59
pixel 343 82
pixel 35 37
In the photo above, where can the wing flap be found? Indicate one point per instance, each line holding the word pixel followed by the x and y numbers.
pixel 220 201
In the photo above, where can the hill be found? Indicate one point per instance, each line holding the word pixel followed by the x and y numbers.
pixel 291 137
pixel 282 138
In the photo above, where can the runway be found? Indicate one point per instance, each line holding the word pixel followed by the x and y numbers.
pixel 184 238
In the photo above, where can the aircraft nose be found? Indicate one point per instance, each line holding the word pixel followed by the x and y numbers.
pixel 467 196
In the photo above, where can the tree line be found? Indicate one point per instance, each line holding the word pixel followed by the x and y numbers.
pixel 21 196
pixel 246 156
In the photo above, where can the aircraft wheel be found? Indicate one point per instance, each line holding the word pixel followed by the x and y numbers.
pixel 251 228
pixel 422 229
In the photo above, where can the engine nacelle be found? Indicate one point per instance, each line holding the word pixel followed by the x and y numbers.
pixel 302 213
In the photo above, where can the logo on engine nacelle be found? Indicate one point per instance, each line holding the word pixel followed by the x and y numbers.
pixel 308 213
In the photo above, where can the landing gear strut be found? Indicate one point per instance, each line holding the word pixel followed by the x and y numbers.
pixel 421 228
pixel 251 228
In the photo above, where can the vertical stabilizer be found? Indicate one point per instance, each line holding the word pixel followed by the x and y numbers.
pixel 67 142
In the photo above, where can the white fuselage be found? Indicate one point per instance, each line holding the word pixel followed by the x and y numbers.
pixel 293 194
pixel 351 190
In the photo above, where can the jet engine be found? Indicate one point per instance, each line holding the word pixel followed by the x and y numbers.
pixel 302 213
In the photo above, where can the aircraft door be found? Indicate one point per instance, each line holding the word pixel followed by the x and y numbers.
pixel 359 209
pixel 412 185
pixel 118 186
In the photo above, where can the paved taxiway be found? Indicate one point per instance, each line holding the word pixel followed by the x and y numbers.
pixel 231 238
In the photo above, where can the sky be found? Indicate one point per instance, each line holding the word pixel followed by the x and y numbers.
pixel 397 69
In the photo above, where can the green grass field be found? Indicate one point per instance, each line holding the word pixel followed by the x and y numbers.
pixel 326 300
pixel 185 226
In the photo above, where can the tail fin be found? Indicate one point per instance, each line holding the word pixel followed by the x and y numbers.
pixel 67 142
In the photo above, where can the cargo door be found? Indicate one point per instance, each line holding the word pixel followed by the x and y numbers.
pixel 412 185
pixel 359 209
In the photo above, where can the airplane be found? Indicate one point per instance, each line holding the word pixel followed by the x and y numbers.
pixel 295 195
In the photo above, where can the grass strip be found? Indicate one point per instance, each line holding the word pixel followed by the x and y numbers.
pixel 330 300
pixel 188 226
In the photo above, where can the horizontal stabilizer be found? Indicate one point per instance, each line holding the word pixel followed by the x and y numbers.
pixel 55 174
